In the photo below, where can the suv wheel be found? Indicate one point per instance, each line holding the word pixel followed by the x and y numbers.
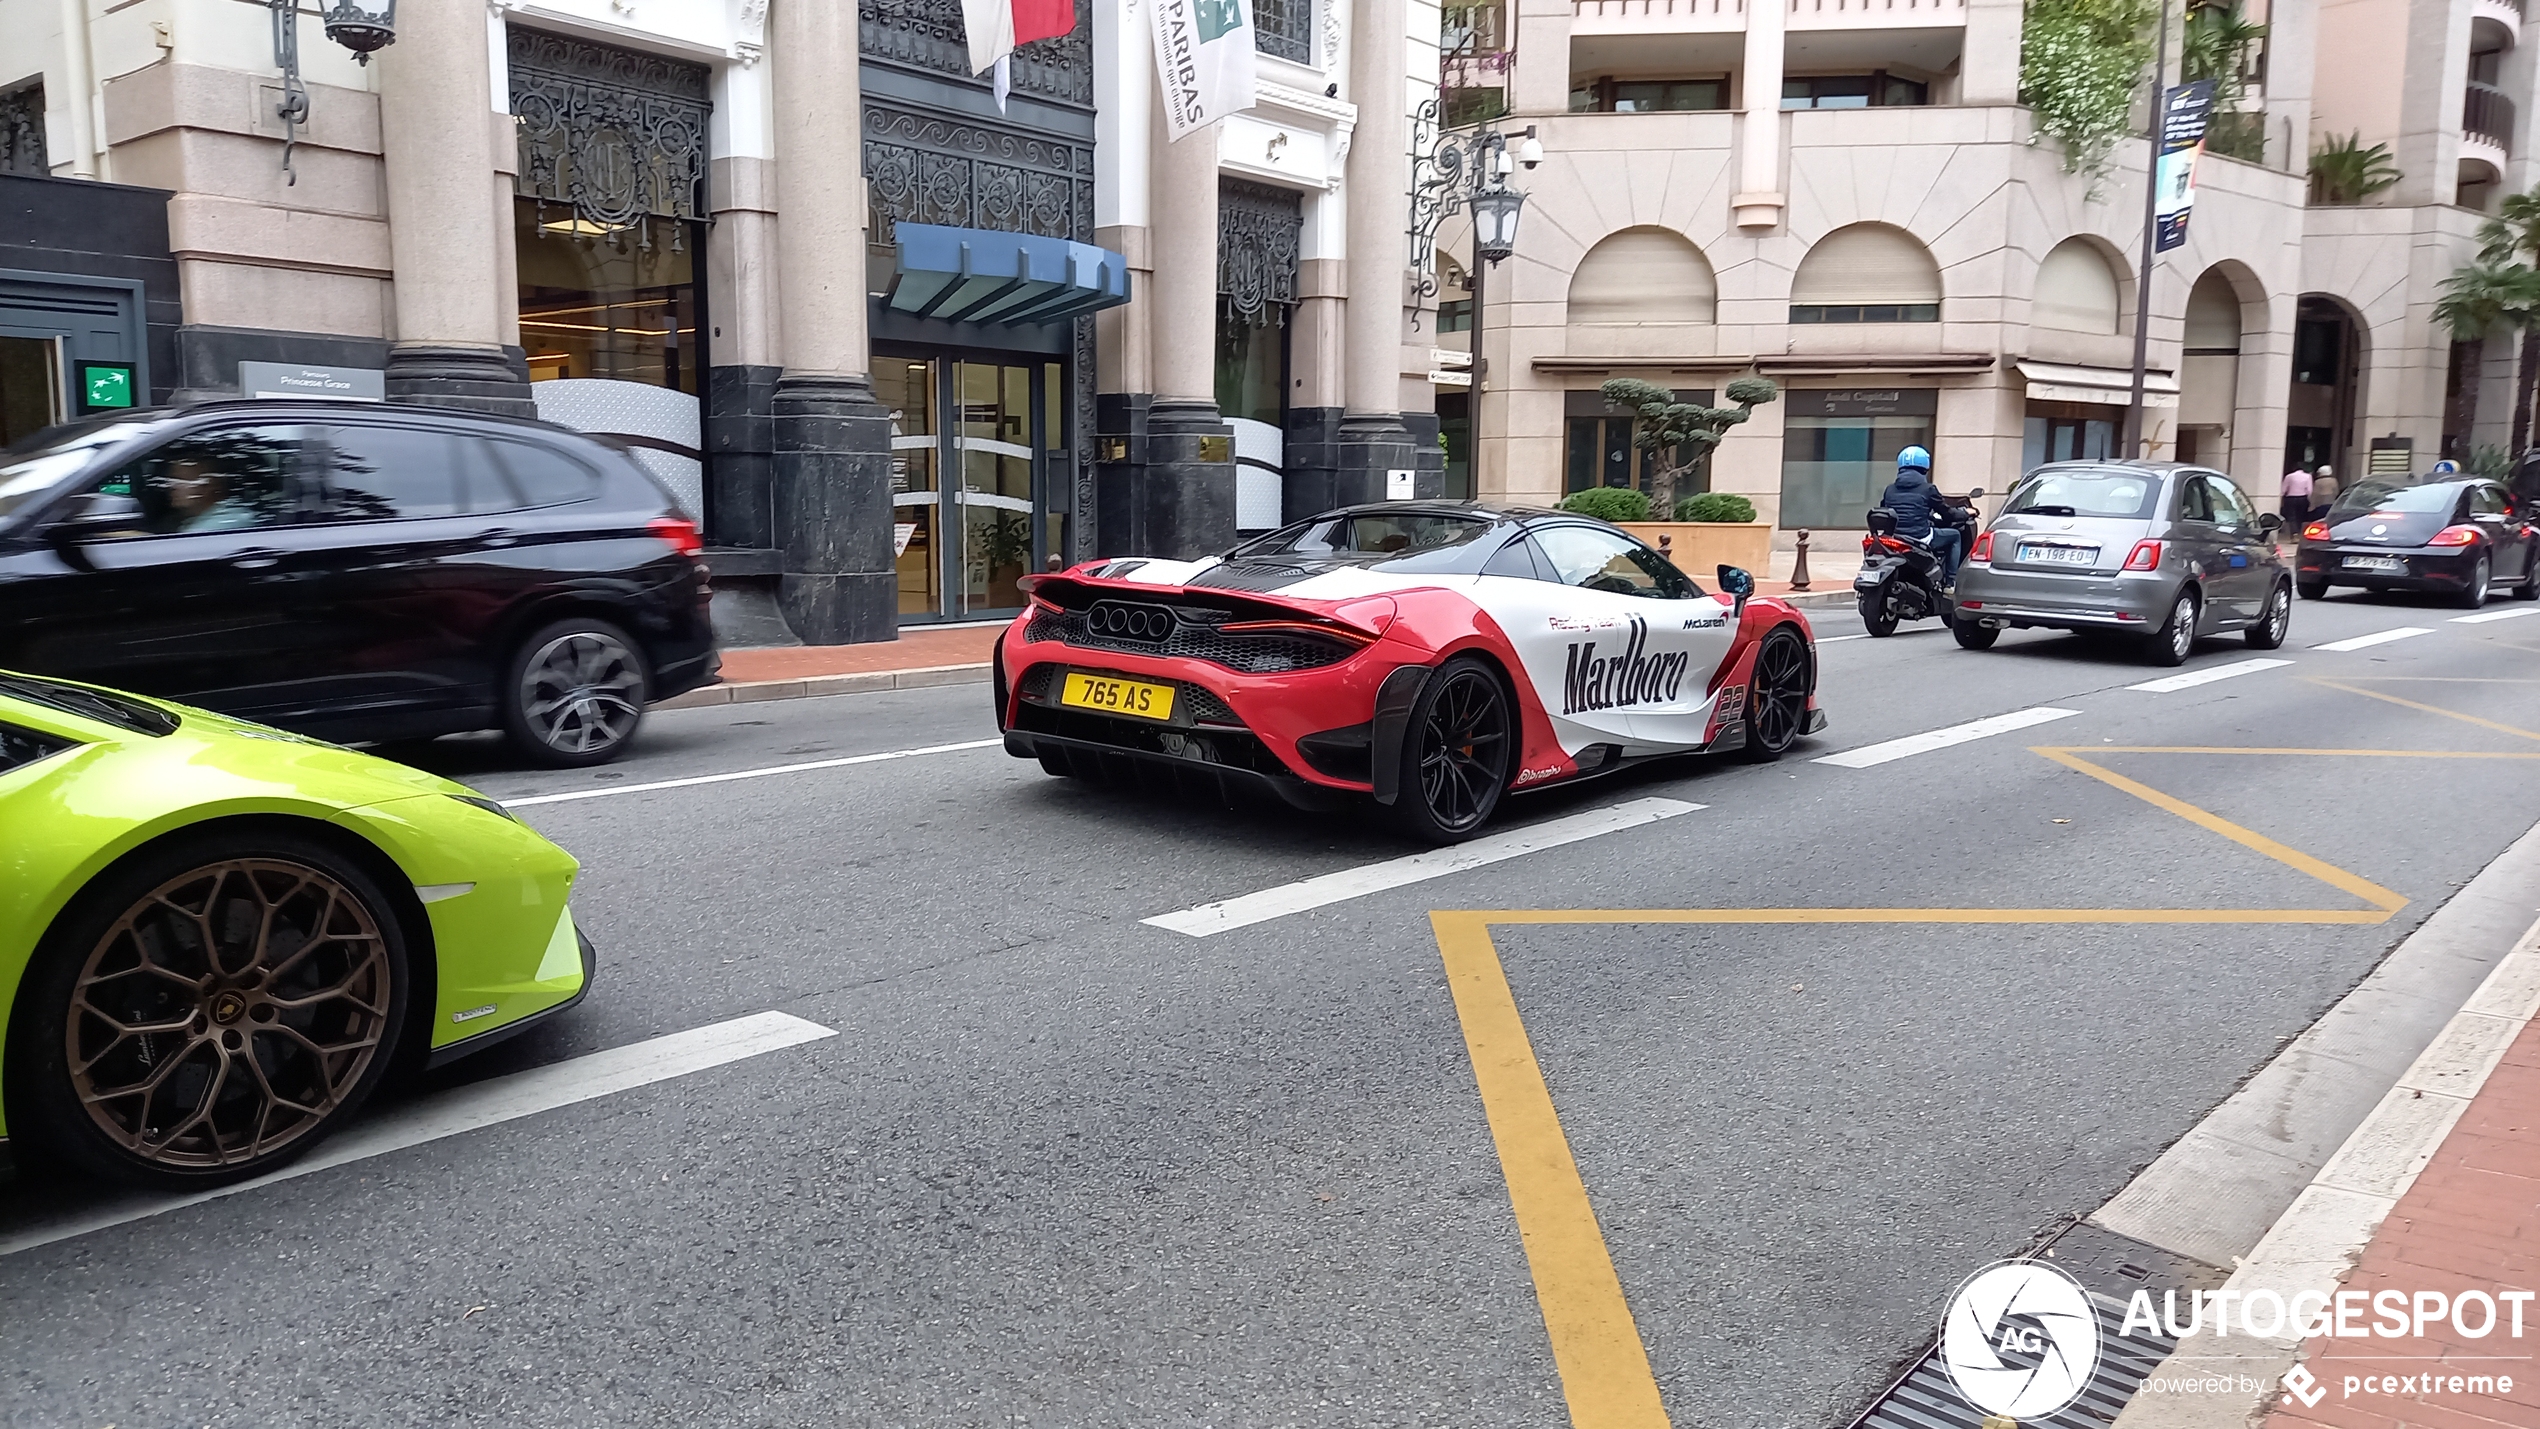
pixel 575 693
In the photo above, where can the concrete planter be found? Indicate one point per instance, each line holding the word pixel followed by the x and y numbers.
pixel 1699 548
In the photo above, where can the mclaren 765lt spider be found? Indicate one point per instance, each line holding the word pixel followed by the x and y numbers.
pixel 1432 656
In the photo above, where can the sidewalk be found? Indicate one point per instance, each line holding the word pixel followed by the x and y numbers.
pixel 2469 1225
pixel 958 655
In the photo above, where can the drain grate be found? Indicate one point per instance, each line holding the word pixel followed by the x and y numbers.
pixel 1925 1399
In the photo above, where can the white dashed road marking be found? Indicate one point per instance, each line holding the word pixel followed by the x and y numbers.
pixel 771 770
pixel 2193 678
pixel 1358 882
pixel 1914 744
pixel 2507 613
pixel 2378 637
pixel 467 1108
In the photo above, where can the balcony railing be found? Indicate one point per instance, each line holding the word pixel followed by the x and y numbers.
pixel 2488 113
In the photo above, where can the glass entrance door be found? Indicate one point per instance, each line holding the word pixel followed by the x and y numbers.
pixel 970 443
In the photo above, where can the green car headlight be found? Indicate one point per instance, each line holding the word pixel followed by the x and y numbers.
pixel 491 806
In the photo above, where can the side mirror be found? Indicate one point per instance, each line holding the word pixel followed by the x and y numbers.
pixel 2270 522
pixel 1976 494
pixel 1738 583
pixel 92 515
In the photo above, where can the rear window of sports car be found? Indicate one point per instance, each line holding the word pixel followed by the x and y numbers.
pixel 1404 540
pixel 100 705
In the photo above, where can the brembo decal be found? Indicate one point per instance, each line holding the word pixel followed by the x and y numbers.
pixel 1627 677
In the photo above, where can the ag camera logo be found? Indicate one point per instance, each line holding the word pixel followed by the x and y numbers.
pixel 2020 1339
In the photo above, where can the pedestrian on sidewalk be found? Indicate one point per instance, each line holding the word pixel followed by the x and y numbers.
pixel 2324 489
pixel 2297 498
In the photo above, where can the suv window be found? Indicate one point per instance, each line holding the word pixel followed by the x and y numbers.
pixel 540 475
pixel 1609 561
pixel 386 473
pixel 226 479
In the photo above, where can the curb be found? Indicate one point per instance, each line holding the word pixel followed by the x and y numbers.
pixel 743 692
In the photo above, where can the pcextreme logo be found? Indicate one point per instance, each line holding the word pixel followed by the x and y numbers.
pixel 1630 676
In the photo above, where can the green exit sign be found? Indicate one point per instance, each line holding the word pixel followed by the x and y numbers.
pixel 105 386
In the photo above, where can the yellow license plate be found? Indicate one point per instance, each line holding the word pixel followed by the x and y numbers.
pixel 1126 697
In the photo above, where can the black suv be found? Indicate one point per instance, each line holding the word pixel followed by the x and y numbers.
pixel 356 571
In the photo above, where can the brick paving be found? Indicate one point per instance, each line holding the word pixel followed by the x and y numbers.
pixel 2471 1222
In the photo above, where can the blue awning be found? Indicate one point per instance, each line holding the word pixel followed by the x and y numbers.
pixel 977 275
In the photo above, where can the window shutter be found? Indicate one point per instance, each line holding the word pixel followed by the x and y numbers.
pixel 1642 275
pixel 1866 263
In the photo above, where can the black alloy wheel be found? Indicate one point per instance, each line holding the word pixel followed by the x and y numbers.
pixel 2269 633
pixel 1876 614
pixel 1457 753
pixel 207 1011
pixel 2312 590
pixel 2177 636
pixel 2481 575
pixel 575 694
pixel 1777 700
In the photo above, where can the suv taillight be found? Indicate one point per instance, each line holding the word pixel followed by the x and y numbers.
pixel 679 533
pixel 1984 549
pixel 2146 556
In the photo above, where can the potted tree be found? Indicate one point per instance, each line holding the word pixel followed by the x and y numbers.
pixel 1704 529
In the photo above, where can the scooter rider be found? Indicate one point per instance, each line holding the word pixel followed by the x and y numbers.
pixel 1920 510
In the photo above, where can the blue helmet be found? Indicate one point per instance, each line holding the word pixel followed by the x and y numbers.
pixel 1914 458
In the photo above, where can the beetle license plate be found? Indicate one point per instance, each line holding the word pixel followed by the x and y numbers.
pixel 1134 698
pixel 2375 563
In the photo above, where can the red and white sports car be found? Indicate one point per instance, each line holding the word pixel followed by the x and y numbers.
pixel 1432 655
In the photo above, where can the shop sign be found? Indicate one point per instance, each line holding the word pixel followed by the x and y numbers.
pixel 1863 402
pixel 290 379
pixel 105 386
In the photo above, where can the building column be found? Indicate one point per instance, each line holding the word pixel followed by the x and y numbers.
pixel 832 462
pixel 1758 201
pixel 1373 439
pixel 435 96
pixel 1180 502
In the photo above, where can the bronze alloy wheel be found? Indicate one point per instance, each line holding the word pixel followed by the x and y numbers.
pixel 228 1013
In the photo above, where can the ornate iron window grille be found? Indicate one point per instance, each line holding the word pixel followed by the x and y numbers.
pixel 614 137
pixel 929 168
pixel 22 131
pixel 1284 28
pixel 928 35
pixel 1259 232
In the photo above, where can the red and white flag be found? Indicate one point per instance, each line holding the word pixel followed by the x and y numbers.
pixel 995 27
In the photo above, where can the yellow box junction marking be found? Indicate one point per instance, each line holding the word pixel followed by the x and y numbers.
pixel 1596 1345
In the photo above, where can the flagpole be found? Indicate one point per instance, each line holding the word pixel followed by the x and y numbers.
pixel 2132 446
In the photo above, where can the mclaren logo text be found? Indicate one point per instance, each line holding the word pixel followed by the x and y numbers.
pixel 1630 676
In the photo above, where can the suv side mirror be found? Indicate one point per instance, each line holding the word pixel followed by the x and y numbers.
pixel 92 515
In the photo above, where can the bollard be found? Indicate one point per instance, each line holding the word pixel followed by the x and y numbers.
pixel 1799 565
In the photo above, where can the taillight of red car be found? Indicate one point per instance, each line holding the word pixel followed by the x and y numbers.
pixel 1983 553
pixel 679 534
pixel 2146 556
pixel 2455 536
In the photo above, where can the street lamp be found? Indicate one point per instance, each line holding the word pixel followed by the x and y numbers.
pixel 1464 171
pixel 357 27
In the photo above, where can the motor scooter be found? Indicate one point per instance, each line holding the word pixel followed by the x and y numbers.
pixel 1900 575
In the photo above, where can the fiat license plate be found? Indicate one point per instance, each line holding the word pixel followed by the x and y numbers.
pixel 2059 555
pixel 1111 695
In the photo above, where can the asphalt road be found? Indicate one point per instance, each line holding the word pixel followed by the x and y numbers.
pixel 1060 1167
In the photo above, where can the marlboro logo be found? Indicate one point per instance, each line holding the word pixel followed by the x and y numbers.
pixel 1630 676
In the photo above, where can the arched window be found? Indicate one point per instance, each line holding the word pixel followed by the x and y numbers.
pixel 2213 317
pixel 1643 275
pixel 1867 273
pixel 2076 290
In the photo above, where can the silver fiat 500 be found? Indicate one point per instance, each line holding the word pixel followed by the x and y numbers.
pixel 2157 549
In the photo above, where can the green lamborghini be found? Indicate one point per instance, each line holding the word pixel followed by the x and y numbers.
pixel 217 939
